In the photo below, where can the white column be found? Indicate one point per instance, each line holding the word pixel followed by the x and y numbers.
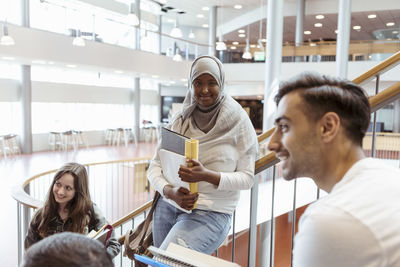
pixel 343 38
pixel 137 12
pixel 212 30
pixel 159 22
pixel 300 25
pixel 273 60
pixel 26 91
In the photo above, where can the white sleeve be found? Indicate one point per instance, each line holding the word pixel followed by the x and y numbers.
pixel 247 148
pixel 155 175
pixel 330 237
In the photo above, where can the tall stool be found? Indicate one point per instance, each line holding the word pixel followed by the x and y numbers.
pixel 10 145
pixel 109 136
pixel 55 141
pixel 131 135
pixel 80 139
pixel 68 140
pixel 121 135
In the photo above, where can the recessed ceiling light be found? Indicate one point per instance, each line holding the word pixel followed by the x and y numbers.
pixel 38 62
pixel 319 16
pixel 357 27
pixel 170 20
pixel 390 24
pixel 307 32
pixel 394 32
pixel 172 82
pixel 241 31
pixel 205 25
pixel 264 40
pixel 200 16
pixel 371 16
pixel 8 58
pixel 233 47
pixel 154 76
pixel 237 6
pixel 313 44
pixel 51 62
pixel 184 80
pixel 235 43
pixel 118 71
pixel 318 25
pixel 253 46
pixel 71 66
pixel 205 8
pixel 242 35
pixel 336 31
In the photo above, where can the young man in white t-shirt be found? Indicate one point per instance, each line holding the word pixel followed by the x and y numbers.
pixel 320 124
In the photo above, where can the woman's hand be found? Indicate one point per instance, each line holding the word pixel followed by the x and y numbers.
pixel 198 173
pixel 181 196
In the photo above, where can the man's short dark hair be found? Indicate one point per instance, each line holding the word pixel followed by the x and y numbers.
pixel 323 94
pixel 67 250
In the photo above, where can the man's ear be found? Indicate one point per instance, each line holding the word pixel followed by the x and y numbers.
pixel 330 126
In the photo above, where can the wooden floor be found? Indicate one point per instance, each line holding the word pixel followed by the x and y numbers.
pixel 14 170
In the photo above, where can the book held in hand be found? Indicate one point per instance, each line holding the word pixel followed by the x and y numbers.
pixel 175 148
pixel 102 235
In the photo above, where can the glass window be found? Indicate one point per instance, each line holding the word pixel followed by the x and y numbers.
pixel 75 76
pixel 47 117
pixel 11 122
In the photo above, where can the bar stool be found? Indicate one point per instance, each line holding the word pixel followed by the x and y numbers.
pixel 10 145
pixel 149 131
pixel 131 135
pixel 80 139
pixel 68 140
pixel 55 141
pixel 121 136
pixel 109 136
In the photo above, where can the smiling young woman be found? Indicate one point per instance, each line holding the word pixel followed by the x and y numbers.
pixel 227 151
pixel 68 207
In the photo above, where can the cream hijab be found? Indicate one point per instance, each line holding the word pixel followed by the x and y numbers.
pixel 204 118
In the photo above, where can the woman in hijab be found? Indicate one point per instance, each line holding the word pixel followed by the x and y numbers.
pixel 227 152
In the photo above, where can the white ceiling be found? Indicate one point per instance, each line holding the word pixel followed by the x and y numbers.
pixel 386 11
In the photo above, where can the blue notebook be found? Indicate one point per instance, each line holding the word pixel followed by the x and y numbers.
pixel 150 261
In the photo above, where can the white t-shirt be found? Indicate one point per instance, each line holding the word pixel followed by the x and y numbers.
pixel 357 224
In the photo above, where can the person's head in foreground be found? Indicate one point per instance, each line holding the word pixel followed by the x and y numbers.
pixel 67 250
pixel 320 123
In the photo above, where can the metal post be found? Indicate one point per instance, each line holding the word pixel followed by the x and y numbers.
pixel 19 230
pixel 343 38
pixel 212 30
pixel 233 235
pixel 293 221
pixel 253 224
pixel 374 123
pixel 299 26
pixel 274 57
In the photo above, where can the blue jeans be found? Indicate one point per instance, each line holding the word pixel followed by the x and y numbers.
pixel 201 230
